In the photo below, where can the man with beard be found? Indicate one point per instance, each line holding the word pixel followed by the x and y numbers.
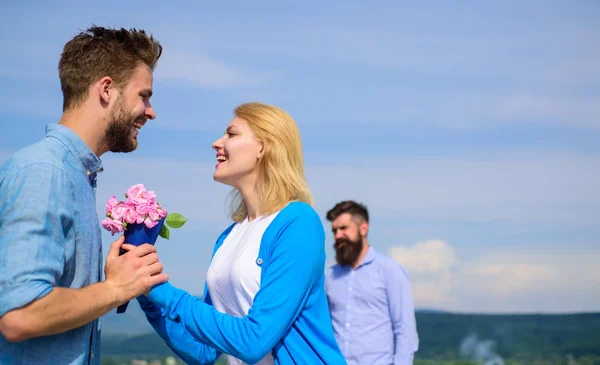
pixel 369 295
pixel 51 288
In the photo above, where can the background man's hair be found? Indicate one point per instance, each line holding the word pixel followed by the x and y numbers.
pixel 99 52
pixel 348 206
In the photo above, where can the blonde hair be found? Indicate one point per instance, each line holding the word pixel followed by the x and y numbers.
pixel 281 169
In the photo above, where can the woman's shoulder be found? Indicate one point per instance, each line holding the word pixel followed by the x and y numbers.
pixel 298 222
pixel 297 208
pixel 296 214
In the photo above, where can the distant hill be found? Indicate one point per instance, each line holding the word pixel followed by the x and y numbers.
pixel 525 337
pixel 132 322
pixel 148 345
pixel 528 336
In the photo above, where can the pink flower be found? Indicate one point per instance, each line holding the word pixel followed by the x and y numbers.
pixel 113 225
pixel 138 195
pixel 124 212
pixel 110 204
pixel 135 191
pixel 140 207
pixel 149 222
pixel 150 195
pixel 130 215
pixel 146 210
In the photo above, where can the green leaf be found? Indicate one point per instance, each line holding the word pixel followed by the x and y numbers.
pixel 175 220
pixel 164 232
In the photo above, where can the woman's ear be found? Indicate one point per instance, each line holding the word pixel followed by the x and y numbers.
pixel 261 152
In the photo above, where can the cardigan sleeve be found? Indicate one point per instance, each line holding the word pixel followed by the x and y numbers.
pixel 174 333
pixel 297 258
pixel 176 336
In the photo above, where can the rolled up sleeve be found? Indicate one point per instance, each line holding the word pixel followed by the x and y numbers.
pixel 34 223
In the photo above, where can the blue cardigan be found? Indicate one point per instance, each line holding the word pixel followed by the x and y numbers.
pixel 289 317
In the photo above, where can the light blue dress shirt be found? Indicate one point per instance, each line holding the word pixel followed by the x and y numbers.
pixel 49 236
pixel 372 311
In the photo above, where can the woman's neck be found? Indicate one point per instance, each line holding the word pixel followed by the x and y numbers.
pixel 252 199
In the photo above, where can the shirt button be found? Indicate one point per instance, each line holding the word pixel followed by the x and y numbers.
pixel 347 324
pixel 348 306
pixel 350 288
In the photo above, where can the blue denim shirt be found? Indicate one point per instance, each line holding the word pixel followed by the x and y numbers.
pixel 49 236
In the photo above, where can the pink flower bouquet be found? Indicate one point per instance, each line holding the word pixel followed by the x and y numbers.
pixel 141 219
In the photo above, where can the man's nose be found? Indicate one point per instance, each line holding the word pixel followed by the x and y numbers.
pixel 150 114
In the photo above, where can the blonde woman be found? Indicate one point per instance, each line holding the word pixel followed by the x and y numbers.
pixel 264 298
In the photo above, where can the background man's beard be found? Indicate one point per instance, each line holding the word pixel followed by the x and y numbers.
pixel 347 251
pixel 118 133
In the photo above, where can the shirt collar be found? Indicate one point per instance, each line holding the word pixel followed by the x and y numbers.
pixel 369 257
pixel 91 162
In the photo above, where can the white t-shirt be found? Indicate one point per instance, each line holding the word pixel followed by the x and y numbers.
pixel 233 277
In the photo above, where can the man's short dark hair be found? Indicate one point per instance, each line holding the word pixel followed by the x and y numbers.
pixel 100 52
pixel 348 206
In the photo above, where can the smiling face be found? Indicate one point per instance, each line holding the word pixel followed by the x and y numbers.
pixel 238 154
pixel 130 112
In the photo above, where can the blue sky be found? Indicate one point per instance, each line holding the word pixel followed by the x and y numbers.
pixel 470 130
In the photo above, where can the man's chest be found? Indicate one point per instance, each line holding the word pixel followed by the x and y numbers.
pixel 83 241
pixel 357 290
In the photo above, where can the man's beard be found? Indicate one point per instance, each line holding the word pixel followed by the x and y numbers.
pixel 347 250
pixel 118 133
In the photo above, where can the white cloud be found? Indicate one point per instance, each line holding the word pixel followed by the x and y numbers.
pixel 206 72
pixel 539 108
pixel 503 73
pixel 4 155
pixel 549 189
pixel 30 59
pixel 544 280
pixel 502 276
pixel 430 265
pixel 441 42
pixel 426 257
pixel 527 87
pixel 478 107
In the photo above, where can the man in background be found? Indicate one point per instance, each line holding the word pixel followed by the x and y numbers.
pixel 51 293
pixel 369 295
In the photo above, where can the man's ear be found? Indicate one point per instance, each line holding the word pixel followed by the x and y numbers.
pixel 364 228
pixel 107 89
